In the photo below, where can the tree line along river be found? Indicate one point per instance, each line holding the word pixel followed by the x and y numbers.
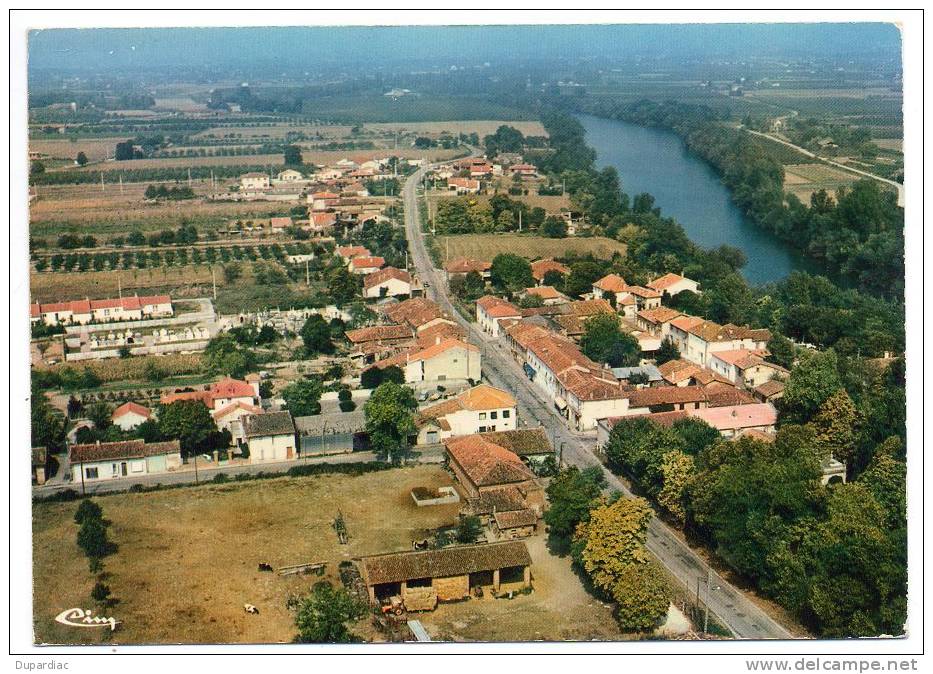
pixel 689 190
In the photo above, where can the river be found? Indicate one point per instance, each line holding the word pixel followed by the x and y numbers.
pixel 687 189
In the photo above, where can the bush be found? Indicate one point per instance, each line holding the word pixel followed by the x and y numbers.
pixel 100 593
pixel 88 510
pixel 220 478
pixel 347 405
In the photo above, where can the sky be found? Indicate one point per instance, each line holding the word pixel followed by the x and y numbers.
pixel 301 46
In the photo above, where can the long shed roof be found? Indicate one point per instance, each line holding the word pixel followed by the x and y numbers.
pixel 443 563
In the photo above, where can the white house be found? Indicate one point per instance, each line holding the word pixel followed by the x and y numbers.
pixel 290 176
pixel 130 415
pixel 270 437
pixel 480 409
pixel 129 458
pixel 366 264
pixel 230 418
pixel 673 284
pixel 446 359
pixel 134 308
pixel 254 181
pixel 744 367
pixel 697 339
pixel 490 310
pixel 387 282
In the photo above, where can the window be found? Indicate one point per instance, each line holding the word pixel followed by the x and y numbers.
pixel 90 473
pixel 482 416
pixel 137 466
pixel 506 414
pixel 482 429
pixel 493 415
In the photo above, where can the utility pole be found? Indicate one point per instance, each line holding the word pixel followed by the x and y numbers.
pixel 83 490
pixel 101 181
pixel 519 221
pixel 189 177
pixel 196 481
pixel 214 283
pixel 709 580
pixel 307 274
pixel 121 183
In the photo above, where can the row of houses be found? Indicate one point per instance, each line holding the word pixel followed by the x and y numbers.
pixel 82 312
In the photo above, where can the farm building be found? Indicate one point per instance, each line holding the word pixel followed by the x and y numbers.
pixel 270 437
pixel 515 523
pixel 482 465
pixel 335 433
pixel 129 458
pixel 425 577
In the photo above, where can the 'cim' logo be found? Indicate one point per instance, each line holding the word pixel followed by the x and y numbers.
pixel 78 617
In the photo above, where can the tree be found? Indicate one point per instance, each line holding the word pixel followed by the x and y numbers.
pixel 468 287
pixel 729 300
pixel 92 538
pixel 612 539
pixel 636 448
pixel 812 381
pixel 99 413
pixel 390 420
pixel 676 473
pixel 571 494
pixel 781 350
pixel 322 616
pixel 343 286
pixel 604 342
pixel 81 159
pixel 88 510
pixel 36 168
pixel 836 424
pixel 468 529
pixel 553 278
pixel 189 422
pixel 225 355
pixel 303 397
pixel 667 352
pixel 100 593
pixel 696 434
pixel 642 596
pixel 511 273
pixel 554 228
pixel 529 301
pixel 292 155
pixel 375 376
pixel 582 276
pixel 315 334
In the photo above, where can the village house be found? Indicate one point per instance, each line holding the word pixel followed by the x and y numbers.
pixel 347 253
pixel 130 415
pixel 671 284
pixel 280 223
pixel 524 170
pixel 462 266
pixel 387 282
pixel 419 313
pixel 366 265
pixel 270 437
pixel 480 169
pixel 477 410
pixel 697 339
pixel 128 458
pixel 463 185
pixel 376 342
pixel 447 359
pixel 220 394
pixel 289 176
pixel 666 399
pixel 322 201
pixel 541 267
pixel 734 420
pixel 656 321
pixel 769 391
pixel 745 367
pixel 254 181
pixel 230 418
pixel 515 524
pixel 319 222
pixel 84 311
pixel 425 577
pixel 490 310
pixel 628 299
pixel 548 294
pixel 482 465
pixel 332 433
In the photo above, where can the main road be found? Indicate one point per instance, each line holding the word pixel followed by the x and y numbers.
pixel 733 609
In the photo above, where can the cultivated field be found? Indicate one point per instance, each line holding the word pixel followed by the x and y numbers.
pixel 487 246
pixel 896 144
pixel 96 149
pixel 187 562
pixel 480 127
pixel 803 180
pixel 183 281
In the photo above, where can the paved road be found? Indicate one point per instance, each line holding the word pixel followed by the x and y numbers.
pixel 734 609
pixel 893 183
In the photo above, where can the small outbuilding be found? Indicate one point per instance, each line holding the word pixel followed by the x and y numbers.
pixel 270 437
pixel 449 574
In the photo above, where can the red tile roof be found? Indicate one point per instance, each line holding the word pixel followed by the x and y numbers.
pixel 363 262
pixel 348 252
pixel 378 333
pixel 662 283
pixel 131 408
pixel 738 416
pixel 666 395
pixel 612 283
pixel 542 267
pixel 127 449
pixel 464 265
pixel 485 463
pixel 496 307
pixel 232 388
pixel 385 274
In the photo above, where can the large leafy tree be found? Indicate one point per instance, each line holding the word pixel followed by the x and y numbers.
pixel 316 335
pixel 583 274
pixel 189 422
pixel 668 351
pixel 390 420
pixel 292 155
pixel 604 342
pixel 224 355
pixel 612 539
pixel 343 286
pixel 676 473
pixel 811 382
pixel 511 273
pixel 303 397
pixel 637 447
pixel 642 596
pixel 836 425
pixel 571 493
pixel 856 570
pixel 322 616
